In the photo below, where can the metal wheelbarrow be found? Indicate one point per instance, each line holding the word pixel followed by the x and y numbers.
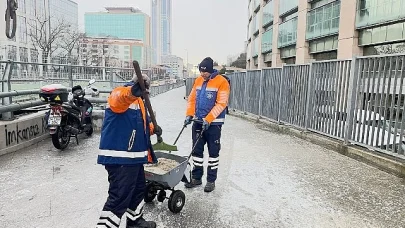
pixel 156 182
pixel 160 183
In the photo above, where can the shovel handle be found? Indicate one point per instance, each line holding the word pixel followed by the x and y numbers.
pixel 145 96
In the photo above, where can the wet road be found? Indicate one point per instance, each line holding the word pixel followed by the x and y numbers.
pixel 265 180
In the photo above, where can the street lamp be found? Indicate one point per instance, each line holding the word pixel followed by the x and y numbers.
pixel 188 73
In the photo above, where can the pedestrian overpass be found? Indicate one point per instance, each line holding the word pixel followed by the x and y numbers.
pixel 266 179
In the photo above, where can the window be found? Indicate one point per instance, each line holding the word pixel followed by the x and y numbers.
pixel 12 53
pixel 371 12
pixel 34 55
pixel 323 21
pixel 287 6
pixel 268 16
pixel 287 33
pixel 21 6
pixel 267 41
pixel 323 45
pixel 383 34
pixel 23 54
pixel 22 29
pixel 288 52
pixel 325 56
pixel 253 26
pixel 384 49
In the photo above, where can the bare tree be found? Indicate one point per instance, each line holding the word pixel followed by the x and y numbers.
pixel 69 43
pixel 45 37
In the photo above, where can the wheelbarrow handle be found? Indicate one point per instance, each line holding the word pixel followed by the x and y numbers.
pixel 197 121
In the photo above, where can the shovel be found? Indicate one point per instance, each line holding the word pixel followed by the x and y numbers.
pixel 160 145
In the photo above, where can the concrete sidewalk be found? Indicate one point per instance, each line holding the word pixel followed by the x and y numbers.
pixel 265 180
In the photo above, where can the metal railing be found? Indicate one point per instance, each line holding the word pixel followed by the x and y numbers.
pixel 23 81
pixel 358 101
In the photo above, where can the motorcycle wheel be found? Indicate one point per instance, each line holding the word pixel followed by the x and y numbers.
pixel 61 138
pixel 89 132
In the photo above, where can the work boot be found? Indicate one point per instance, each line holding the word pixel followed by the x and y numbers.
pixel 209 187
pixel 142 223
pixel 193 183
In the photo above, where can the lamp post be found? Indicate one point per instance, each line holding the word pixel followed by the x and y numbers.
pixel 188 73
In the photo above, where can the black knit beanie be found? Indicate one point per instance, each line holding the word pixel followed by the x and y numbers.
pixel 207 65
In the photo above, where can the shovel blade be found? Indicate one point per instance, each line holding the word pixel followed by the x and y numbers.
pixel 161 146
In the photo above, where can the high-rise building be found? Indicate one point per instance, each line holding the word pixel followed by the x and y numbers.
pixel 29 12
pixel 122 23
pixel 65 11
pixel 176 65
pixel 301 31
pixel 161 29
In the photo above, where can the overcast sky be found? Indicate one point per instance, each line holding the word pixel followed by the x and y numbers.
pixel 215 28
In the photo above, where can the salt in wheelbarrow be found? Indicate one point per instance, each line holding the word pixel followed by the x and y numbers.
pixel 166 182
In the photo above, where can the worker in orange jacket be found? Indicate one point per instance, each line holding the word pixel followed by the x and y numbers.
pixel 125 147
pixel 207 102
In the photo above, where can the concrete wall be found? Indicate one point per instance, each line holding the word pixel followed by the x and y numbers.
pixel 23 132
pixel 31 129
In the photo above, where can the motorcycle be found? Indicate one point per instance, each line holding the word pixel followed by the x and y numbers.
pixel 67 118
pixel 90 90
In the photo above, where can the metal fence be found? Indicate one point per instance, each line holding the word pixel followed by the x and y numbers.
pixel 21 81
pixel 270 93
pixel 293 98
pixel 327 97
pixel 28 76
pixel 358 101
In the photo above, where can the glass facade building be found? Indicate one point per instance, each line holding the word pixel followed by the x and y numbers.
pixel 314 30
pixel 161 28
pixel 123 26
pixel 122 23
pixel 29 13
pixel 64 10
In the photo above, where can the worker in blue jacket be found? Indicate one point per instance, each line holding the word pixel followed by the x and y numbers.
pixel 125 147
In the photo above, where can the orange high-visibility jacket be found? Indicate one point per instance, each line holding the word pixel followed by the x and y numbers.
pixel 125 135
pixel 208 99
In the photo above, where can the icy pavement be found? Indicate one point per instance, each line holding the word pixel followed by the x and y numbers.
pixel 265 180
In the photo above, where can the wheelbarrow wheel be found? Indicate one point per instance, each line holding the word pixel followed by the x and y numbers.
pixel 150 194
pixel 161 196
pixel 176 201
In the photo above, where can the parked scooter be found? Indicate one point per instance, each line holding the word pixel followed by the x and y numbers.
pixel 67 118
pixel 91 90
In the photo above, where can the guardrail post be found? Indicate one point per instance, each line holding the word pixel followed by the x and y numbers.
pixel 351 99
pixel 309 96
pixel 6 88
pixel 260 92
pixel 112 80
pixel 280 93
pixel 245 97
pixel 70 73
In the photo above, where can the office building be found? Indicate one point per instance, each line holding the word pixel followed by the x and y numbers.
pixel 122 23
pixel 64 13
pixel 176 65
pixel 21 48
pixel 112 52
pixel 161 29
pixel 64 10
pixel 300 31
